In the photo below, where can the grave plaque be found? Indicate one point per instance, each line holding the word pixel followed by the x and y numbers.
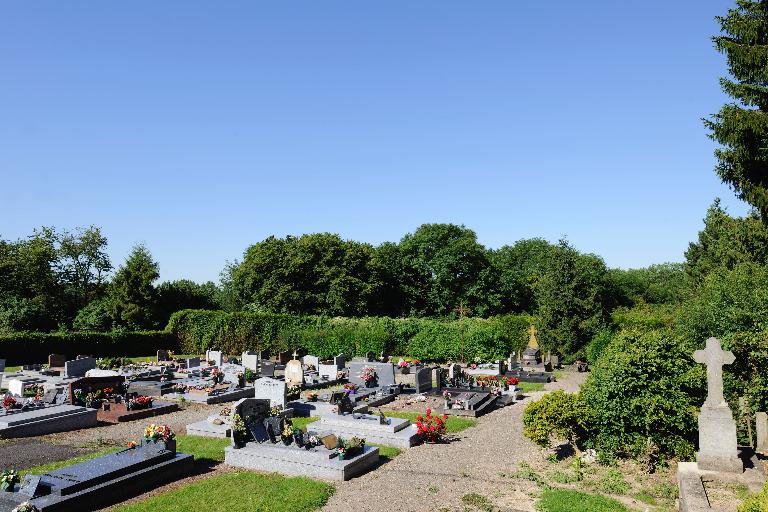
pixel 193 362
pixel 423 378
pixel 29 486
pixel 51 395
pixel 270 389
pixel 340 361
pixel 253 412
pixel 294 373
pixel 385 373
pixel 330 441
pixel 163 355
pixel 267 368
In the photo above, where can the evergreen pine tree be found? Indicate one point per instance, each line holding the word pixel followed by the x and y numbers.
pixel 133 297
pixel 742 127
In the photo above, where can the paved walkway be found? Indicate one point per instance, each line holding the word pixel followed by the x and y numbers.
pixel 436 477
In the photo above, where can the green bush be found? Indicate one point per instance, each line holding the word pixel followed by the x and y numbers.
pixel 427 339
pixel 597 346
pixel 643 392
pixel 756 503
pixel 559 414
pixel 35 347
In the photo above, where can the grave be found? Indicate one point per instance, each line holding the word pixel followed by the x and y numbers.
pixel 271 389
pixel 216 356
pixel 2 365
pixel 718 450
pixel 114 404
pixel 92 484
pixel 311 361
pixel 216 425
pixel 373 428
pixel 17 385
pixel 78 367
pixel 251 360
pixel 423 380
pixel 761 422
pixel 261 449
pixel 532 353
pixel 45 420
pixel 282 358
pixel 294 373
pixel 164 355
pixel 193 362
pixel 267 368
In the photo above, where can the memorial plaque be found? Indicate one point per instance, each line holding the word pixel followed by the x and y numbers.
pixel 29 486
pixel 267 368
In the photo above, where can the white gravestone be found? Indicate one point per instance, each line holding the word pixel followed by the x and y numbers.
pixel 761 420
pixel 272 389
pixel 216 356
pixel 718 449
pixel 294 373
pixel 251 360
pixel 313 361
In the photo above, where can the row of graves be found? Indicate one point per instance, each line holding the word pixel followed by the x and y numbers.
pixel 464 393
pixel 101 481
pixel 526 367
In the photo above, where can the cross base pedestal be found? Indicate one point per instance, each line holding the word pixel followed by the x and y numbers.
pixel 717 440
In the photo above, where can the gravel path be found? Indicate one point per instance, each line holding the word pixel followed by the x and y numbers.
pixel 436 477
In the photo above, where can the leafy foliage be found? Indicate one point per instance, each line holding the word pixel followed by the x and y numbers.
pixel 643 390
pixel 558 414
pixel 742 127
pixel 132 295
pixel 756 503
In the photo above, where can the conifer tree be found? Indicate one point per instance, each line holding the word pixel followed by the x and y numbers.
pixel 742 127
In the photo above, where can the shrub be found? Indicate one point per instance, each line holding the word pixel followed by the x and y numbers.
pixel 756 503
pixel 27 347
pixel 426 339
pixel 559 414
pixel 642 393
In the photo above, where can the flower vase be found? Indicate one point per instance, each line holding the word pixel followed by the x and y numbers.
pixel 447 404
pixel 342 456
pixel 299 440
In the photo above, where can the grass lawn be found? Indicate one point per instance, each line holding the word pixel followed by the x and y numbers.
pixel 453 424
pixel 205 449
pixel 12 369
pixel 563 500
pixel 240 492
pixel 530 387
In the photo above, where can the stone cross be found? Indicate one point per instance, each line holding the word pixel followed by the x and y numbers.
pixel 714 357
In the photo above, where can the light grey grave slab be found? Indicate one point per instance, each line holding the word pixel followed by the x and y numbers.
pixel 214 426
pixel 317 462
pixel 47 420
pixel 270 389
pixel 78 367
pixel 17 385
pixel 396 432
pixel 718 449
pixel 761 422
pixel 327 371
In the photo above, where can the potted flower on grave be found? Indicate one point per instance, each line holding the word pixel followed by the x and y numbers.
pixel 8 478
pixel 340 450
pixel 160 435
pixel 512 381
pixel 239 432
pixel 217 375
pixel 368 375
pixel 350 388
pixel 447 397
pixel 431 427
pixel 274 423
pixel 287 434
pixel 9 402
pixel 404 367
pixel 140 402
pixel 311 442
pixel 298 436
pixel 311 397
pixel 353 446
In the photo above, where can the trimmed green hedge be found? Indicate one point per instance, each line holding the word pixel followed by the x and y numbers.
pixel 34 347
pixel 428 339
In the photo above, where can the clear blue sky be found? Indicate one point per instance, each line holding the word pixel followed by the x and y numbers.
pixel 202 127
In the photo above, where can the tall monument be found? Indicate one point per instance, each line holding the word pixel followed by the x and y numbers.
pixel 718 449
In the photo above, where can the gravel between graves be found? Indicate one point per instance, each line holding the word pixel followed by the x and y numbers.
pixel 435 477
pixel 132 430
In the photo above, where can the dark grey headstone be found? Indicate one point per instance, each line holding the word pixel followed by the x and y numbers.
pixel 2 365
pixel 370 356
pixel 423 378
pixel 267 369
pixel 253 412
pixel 193 362
pixel 163 355
pixel 50 396
pixel 385 373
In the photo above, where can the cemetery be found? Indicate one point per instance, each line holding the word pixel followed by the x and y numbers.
pixel 384 257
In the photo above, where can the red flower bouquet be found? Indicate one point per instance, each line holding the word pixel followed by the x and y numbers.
pixel 431 427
